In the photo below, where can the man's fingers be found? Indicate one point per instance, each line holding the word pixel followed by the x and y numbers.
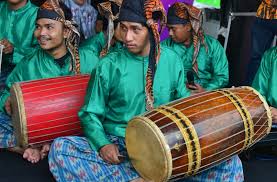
pixel 111 157
pixel 115 158
pixel 192 87
pixel 107 159
pixel 8 109
pixel 8 49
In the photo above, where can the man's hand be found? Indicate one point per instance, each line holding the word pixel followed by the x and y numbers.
pixel 274 114
pixel 8 106
pixel 110 153
pixel 195 88
pixel 8 47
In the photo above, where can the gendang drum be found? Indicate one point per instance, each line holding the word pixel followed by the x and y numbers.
pixel 45 109
pixel 189 135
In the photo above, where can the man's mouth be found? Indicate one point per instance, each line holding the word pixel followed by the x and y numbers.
pixel 43 40
pixel 130 46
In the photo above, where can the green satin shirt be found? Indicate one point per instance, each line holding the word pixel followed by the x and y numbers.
pixel 213 71
pixel 117 92
pixel 98 42
pixel 41 65
pixel 266 78
pixel 18 27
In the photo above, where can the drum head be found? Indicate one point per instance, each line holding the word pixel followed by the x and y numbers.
pixel 148 150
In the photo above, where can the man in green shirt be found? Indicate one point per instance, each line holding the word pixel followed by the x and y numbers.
pixel 108 40
pixel 203 57
pixel 118 93
pixel 58 55
pixel 126 83
pixel 266 79
pixel 17 24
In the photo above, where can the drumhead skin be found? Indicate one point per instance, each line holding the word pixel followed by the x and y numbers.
pixel 151 159
pixel 19 116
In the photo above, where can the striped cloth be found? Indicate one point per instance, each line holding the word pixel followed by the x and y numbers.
pixel 72 159
pixel 267 9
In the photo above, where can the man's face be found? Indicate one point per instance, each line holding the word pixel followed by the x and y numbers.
pixel 135 36
pixel 80 2
pixel 15 1
pixel 50 34
pixel 179 32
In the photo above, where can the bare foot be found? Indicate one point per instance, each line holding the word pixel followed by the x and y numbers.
pixel 32 155
pixel 45 150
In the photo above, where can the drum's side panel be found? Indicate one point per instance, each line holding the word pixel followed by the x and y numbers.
pixel 204 130
pixel 259 111
pixel 49 108
pixel 42 90
pixel 52 109
pixel 32 84
pixel 218 125
pixel 19 116
pixel 58 116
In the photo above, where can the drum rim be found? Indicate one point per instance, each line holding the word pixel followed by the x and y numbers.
pixel 267 108
pixel 20 126
pixel 162 139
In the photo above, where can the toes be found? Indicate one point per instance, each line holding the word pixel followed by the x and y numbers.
pixel 32 155
pixel 27 154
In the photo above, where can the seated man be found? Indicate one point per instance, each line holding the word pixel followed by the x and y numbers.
pixel 120 92
pixel 202 55
pixel 108 40
pixel 84 15
pixel 263 31
pixel 17 24
pixel 58 56
pixel 266 79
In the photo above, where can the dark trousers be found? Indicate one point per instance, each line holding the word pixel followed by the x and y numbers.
pixel 263 32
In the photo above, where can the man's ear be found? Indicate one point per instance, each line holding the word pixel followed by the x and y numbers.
pixel 188 27
pixel 65 33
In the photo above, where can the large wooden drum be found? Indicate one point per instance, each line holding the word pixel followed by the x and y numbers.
pixel 190 135
pixel 43 110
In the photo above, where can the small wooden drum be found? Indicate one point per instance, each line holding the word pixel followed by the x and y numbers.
pixel 48 108
pixel 190 135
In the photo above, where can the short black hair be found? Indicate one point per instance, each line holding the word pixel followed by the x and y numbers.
pixel 66 10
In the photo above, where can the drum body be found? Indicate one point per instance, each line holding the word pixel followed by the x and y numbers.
pixel 48 108
pixel 193 134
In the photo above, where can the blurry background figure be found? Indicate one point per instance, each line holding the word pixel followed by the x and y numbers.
pixel 84 15
pixel 99 23
pixel 263 32
pixel 108 37
pixel 17 23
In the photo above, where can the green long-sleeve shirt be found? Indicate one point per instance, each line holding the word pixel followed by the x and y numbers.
pixel 41 65
pixel 18 27
pixel 117 92
pixel 213 71
pixel 266 78
pixel 98 42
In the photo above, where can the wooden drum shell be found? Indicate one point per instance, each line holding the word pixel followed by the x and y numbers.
pixel 197 133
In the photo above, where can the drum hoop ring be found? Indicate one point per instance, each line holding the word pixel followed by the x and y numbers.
pixel 162 140
pixel 22 136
